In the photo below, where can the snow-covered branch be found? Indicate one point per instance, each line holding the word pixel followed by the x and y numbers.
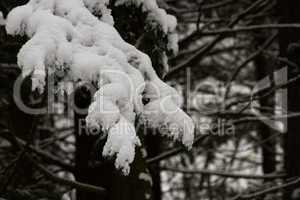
pixel 65 35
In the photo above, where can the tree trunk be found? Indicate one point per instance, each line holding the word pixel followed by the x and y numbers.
pixel 153 143
pixel 264 68
pixel 289 13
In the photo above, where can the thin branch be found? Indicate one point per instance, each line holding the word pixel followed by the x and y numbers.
pixel 66 182
pixel 249 59
pixel 257 96
pixel 211 53
pixel 172 152
pixel 193 10
pixel 250 28
pixel 232 23
pixel 193 59
pixel 262 118
pixel 45 155
pixel 51 176
pixel 224 174
pixel 268 190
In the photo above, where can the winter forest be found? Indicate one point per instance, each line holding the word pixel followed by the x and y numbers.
pixel 149 99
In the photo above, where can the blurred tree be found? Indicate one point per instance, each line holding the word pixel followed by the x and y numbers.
pixel 289 47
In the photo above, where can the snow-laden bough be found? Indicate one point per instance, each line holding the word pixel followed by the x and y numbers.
pixel 66 35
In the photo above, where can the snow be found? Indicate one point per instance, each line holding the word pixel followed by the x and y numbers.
pixel 173 42
pixel 144 152
pixel 17 20
pixel 2 20
pixel 121 141
pixel 156 17
pixel 100 6
pixel 147 196
pixel 146 177
pixel 67 36
pixel 170 119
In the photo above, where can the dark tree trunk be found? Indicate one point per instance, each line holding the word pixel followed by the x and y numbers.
pixel 289 13
pixel 153 143
pixel 264 68
pixel 84 146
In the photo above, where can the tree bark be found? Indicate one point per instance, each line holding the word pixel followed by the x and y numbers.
pixel 288 38
pixel 264 68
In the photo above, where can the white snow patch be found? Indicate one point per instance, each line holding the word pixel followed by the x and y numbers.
pixel 147 196
pixel 2 20
pixel 145 177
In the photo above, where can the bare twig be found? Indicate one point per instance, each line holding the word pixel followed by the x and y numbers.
pixel 249 59
pixel 268 190
pixel 51 176
pixel 225 174
pixel 45 155
pixel 172 152
pixel 62 181
pixel 207 47
pixel 250 28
